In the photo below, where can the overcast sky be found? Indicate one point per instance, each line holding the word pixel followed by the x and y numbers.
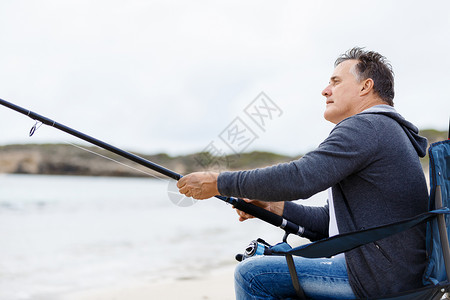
pixel 174 76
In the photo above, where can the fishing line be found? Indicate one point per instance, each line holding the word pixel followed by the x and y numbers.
pixel 172 191
pixel 113 160
pixel 39 124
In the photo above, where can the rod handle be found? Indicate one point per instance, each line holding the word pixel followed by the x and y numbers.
pixel 269 217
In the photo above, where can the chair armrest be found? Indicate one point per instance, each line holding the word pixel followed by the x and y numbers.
pixel 347 241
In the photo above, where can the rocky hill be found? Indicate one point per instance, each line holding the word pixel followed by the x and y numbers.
pixel 64 159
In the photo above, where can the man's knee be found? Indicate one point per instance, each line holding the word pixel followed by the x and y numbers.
pixel 242 270
pixel 248 269
pixel 246 278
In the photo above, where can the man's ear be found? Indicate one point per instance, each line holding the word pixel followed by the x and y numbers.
pixel 366 87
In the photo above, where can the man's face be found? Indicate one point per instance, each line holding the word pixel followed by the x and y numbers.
pixel 342 93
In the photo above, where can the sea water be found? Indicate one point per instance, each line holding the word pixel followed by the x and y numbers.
pixel 60 234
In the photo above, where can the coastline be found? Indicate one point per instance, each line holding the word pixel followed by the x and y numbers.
pixel 216 284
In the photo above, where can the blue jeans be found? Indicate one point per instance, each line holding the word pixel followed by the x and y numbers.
pixel 267 277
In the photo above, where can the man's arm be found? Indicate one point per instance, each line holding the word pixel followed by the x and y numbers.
pixel 349 148
pixel 314 218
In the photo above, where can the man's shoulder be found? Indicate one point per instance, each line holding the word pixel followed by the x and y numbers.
pixel 358 133
pixel 358 123
pixel 364 130
pixel 369 121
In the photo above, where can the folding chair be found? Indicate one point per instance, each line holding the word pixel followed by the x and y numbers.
pixel 437 273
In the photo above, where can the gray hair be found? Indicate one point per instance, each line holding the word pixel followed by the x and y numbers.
pixel 375 66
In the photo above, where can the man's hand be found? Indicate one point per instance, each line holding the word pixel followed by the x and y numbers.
pixel 199 185
pixel 275 207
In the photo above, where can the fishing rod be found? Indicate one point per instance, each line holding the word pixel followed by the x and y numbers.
pixel 256 211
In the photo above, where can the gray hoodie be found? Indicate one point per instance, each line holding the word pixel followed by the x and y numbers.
pixel 371 161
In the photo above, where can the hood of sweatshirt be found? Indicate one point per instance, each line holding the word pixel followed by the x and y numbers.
pixel 419 142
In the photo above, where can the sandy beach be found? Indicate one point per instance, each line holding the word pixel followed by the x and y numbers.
pixel 217 285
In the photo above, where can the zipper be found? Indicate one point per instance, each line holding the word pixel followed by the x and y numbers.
pixel 382 252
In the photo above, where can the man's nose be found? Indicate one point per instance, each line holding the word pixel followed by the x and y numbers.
pixel 326 92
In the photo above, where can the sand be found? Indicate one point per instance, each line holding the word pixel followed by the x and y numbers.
pixel 217 285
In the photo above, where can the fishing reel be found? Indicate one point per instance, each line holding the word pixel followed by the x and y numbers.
pixel 256 247
pixel 261 247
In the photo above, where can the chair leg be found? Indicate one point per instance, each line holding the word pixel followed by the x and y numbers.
pixel 443 232
pixel 294 277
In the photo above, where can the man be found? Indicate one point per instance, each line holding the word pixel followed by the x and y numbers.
pixel 370 162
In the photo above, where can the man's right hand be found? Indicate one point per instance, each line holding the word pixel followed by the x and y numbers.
pixel 275 207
